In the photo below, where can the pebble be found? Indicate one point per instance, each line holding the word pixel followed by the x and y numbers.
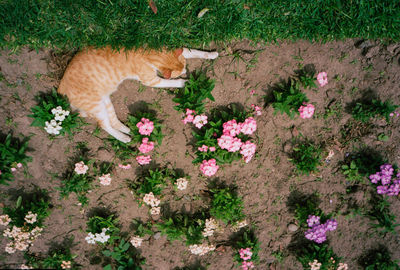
pixel 293 227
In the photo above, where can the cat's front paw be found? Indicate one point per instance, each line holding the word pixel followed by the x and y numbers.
pixel 212 55
pixel 124 138
pixel 180 83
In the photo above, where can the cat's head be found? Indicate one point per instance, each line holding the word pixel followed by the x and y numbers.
pixel 172 64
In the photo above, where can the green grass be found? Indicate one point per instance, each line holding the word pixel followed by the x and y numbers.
pixel 130 23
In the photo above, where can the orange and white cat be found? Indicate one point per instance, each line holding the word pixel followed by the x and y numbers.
pixel 94 74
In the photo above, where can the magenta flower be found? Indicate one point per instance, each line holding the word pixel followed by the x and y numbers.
pixel 212 149
pixel 306 111
pixel 145 126
pixel 203 148
pixel 143 160
pixel 146 146
pixel 209 167
pixel 322 78
pixel 313 220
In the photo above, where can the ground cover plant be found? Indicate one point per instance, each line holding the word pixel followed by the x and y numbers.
pixel 53 113
pixel 306 156
pixel 12 157
pixel 350 151
pixel 366 110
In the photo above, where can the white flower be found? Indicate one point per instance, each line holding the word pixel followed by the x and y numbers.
pixel 211 226
pixel 136 241
pixel 36 232
pixel 30 217
pixel 10 248
pixel 155 211
pixel 105 179
pixel 66 264
pixel 240 224
pixel 90 238
pixel 21 246
pixel 149 199
pixel 181 183
pixel 81 168
pixel 4 220
pixel 201 249
pixel 23 266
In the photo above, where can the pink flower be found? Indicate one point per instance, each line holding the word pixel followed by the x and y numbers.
pixel 212 149
pixel 257 109
pixel 105 179
pixel 231 128
pixel 81 168
pixel 225 141
pixel 235 145
pixel 19 165
pixel 245 253
pixel 143 160
pixel 252 92
pixel 209 167
pixel 203 148
pixel 200 120
pixel 188 119
pixel 145 126
pixel 322 78
pixel 125 167
pixel 13 169
pixel 306 111
pixel 247 150
pixel 247 265
pixel 146 146
pixel 249 126
pixel 189 111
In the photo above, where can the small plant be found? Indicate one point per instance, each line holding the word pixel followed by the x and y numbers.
pixel 384 220
pixel 124 256
pixel 226 205
pixel 351 172
pixel 12 157
pixel 76 180
pixel 318 256
pixel 288 98
pixel 378 258
pixel 141 228
pixel 102 230
pixel 307 79
pixel 373 108
pixel 59 257
pixel 224 138
pixel 247 246
pixel 145 130
pixel 306 156
pixel 358 166
pixel 25 220
pixel 183 225
pixel 197 89
pixel 53 113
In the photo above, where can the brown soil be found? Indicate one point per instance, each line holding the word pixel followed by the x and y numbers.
pixel 265 183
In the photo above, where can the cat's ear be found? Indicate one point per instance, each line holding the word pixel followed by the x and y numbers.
pixel 166 72
pixel 178 52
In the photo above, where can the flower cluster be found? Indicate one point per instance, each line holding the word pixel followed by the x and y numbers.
pixel 66 265
pixel 201 249
pixel 205 148
pixel 145 126
pixel 317 233
pixel 125 167
pixel 322 78
pixel 315 265
pixel 21 236
pixel 143 160
pixel 394 113
pixel 81 168
pixel 55 125
pixel 211 226
pixel 14 169
pixel 198 120
pixel 152 201
pixel 181 183
pixel 146 146
pixel 306 111
pixel 390 185
pixel 257 109
pixel 245 254
pixel 98 237
pixel 209 167
pixel 105 179
pixel 238 225
pixel 136 241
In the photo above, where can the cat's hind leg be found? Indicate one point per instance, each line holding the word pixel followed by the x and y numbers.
pixel 115 123
pixel 103 119
pixel 163 83
pixel 191 53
